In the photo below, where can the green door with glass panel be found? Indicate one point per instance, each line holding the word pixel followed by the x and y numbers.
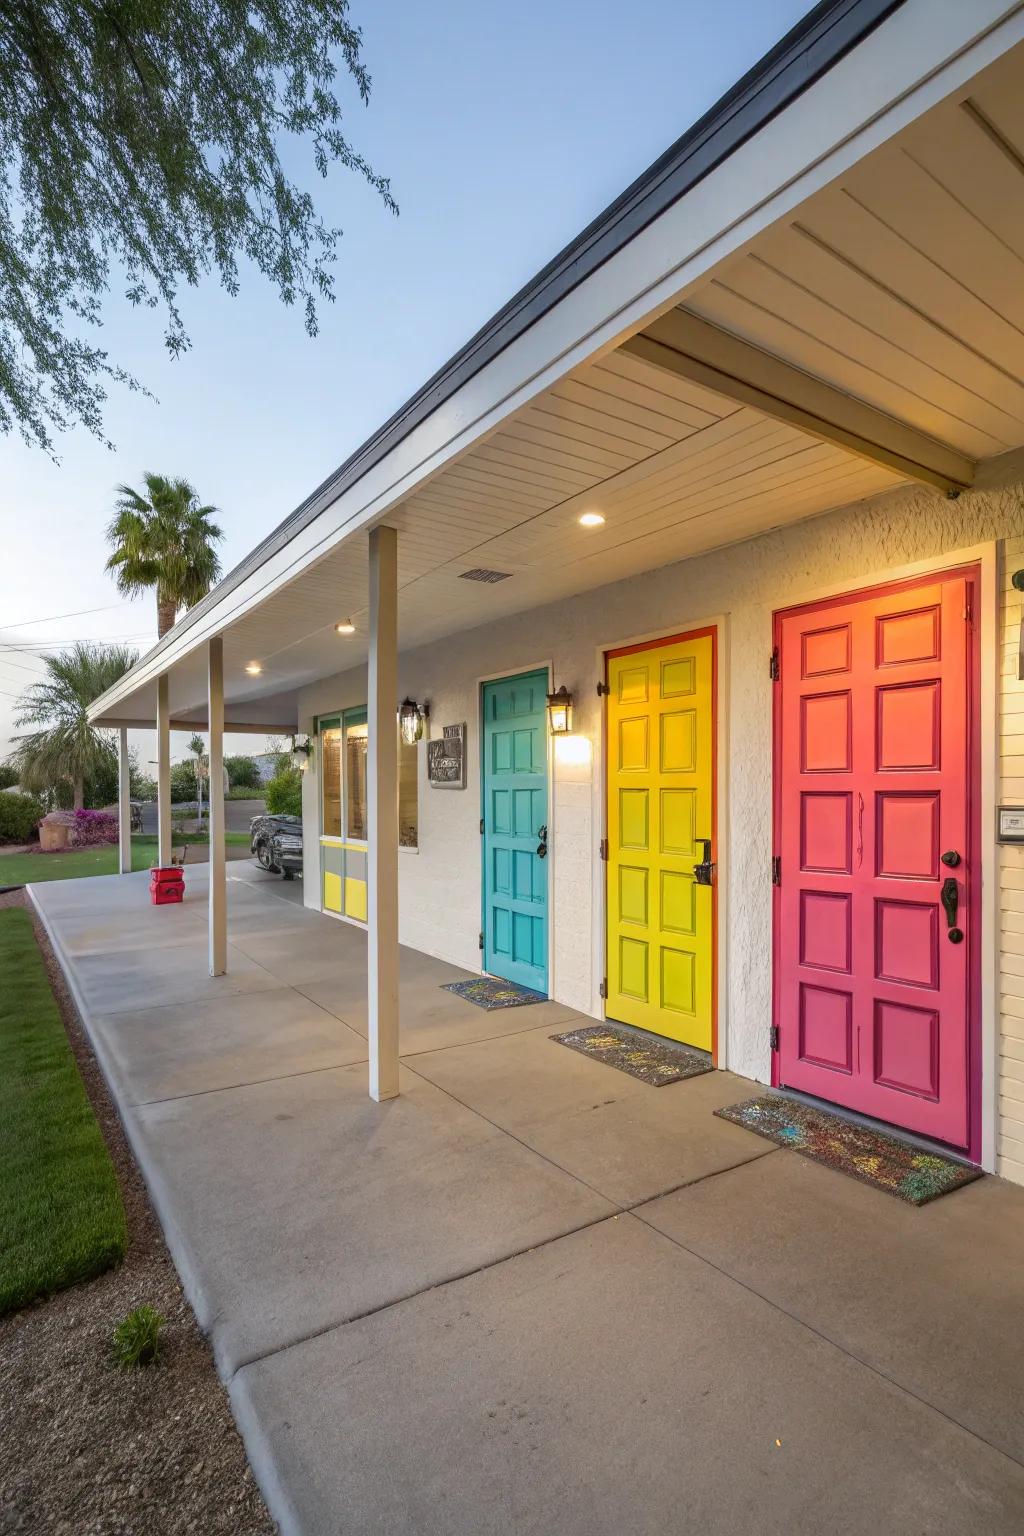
pixel 515 815
pixel 343 747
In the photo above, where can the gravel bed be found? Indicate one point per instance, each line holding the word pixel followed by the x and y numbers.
pixel 90 1450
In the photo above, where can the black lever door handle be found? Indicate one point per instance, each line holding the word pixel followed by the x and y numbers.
pixel 542 851
pixel 950 898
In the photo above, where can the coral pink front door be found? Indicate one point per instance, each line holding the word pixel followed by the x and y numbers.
pixel 876 948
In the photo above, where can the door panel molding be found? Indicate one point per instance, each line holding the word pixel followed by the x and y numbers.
pixel 515 805
pixel 660 928
pixel 913 639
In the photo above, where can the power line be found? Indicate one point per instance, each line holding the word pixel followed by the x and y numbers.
pixel 6 661
pixel 30 646
pixel 54 617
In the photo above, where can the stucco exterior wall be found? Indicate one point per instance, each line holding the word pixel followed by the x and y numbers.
pixel 743 584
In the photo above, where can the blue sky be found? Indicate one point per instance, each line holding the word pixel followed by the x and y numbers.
pixel 504 131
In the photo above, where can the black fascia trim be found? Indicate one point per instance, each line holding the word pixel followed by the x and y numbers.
pixel 808 51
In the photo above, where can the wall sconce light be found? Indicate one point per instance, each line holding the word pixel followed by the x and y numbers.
pixel 412 718
pixel 302 750
pixel 560 712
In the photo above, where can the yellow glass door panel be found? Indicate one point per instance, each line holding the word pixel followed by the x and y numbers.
pixel 660 755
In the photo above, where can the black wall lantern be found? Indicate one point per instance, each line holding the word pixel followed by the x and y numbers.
pixel 560 712
pixel 1017 580
pixel 411 720
pixel 302 749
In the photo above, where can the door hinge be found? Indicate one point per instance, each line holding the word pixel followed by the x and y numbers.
pixel 969 611
pixel 602 848
pixel 603 988
pixel 773 665
pixel 602 689
pixel 773 1037
pixel 481 939
pixel 481 826
pixel 776 869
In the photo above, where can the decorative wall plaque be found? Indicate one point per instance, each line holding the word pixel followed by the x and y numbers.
pixel 1010 826
pixel 446 758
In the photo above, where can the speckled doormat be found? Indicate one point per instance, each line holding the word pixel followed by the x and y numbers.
pixel 490 992
pixel 653 1061
pixel 889 1164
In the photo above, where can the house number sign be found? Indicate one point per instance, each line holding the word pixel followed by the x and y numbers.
pixel 446 759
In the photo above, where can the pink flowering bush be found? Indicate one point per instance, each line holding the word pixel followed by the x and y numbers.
pixel 86 829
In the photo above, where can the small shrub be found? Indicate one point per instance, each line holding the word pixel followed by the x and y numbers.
pixel 183 782
pixel 137 1339
pixel 243 773
pixel 87 829
pixel 8 776
pixel 19 816
pixel 284 793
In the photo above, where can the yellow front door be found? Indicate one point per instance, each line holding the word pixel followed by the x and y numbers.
pixel 660 755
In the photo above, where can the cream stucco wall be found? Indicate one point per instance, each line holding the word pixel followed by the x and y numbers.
pixel 440 885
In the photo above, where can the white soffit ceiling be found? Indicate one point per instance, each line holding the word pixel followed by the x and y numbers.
pixel 903 284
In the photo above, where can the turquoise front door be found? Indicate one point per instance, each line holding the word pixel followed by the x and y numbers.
pixel 515 815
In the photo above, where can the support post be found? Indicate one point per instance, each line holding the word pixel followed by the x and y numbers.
pixel 124 804
pixel 382 815
pixel 215 809
pixel 163 772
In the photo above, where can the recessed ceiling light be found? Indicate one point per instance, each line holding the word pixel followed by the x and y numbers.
pixel 591 520
pixel 254 669
pixel 346 627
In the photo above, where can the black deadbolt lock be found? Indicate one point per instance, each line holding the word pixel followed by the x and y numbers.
pixel 704 872
pixel 951 858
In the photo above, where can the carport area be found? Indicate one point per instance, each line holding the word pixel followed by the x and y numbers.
pixel 531 1294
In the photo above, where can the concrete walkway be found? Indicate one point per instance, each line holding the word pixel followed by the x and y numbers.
pixel 532 1295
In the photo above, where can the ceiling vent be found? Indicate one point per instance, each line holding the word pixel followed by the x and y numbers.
pixel 479 573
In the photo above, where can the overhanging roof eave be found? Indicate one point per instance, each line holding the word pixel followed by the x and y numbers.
pixel 811 48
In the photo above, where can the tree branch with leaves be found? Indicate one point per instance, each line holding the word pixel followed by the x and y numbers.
pixel 142 144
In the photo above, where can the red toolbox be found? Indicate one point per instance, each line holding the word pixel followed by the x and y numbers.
pixel 166 885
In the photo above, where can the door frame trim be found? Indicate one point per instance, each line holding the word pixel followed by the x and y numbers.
pixel 718 626
pixel 987 559
pixel 481 683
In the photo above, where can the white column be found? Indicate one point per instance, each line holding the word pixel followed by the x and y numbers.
pixel 124 806
pixel 382 815
pixel 163 772
pixel 215 805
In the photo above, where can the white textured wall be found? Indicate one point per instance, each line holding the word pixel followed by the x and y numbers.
pixel 440 886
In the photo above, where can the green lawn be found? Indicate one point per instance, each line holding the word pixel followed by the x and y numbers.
pixel 61 1217
pixel 23 868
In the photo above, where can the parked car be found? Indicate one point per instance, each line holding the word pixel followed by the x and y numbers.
pixel 276 842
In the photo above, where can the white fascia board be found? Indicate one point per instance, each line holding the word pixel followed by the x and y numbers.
pixel 922 54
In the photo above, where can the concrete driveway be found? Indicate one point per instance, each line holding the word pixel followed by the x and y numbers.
pixel 532 1295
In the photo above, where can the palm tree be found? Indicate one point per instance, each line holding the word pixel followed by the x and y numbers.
pixel 198 749
pixel 164 539
pixel 67 747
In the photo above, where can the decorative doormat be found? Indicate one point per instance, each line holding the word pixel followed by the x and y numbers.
pixel 894 1166
pixel 655 1062
pixel 489 992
